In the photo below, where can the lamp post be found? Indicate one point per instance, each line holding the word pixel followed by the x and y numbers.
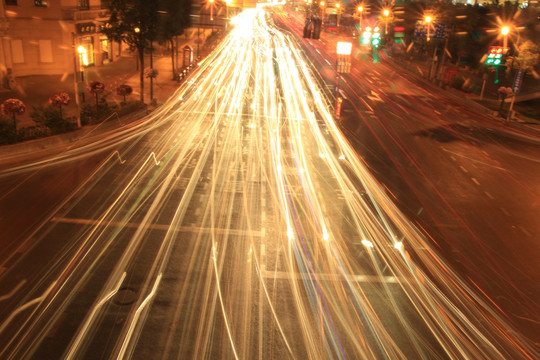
pixel 361 11
pixel 227 4
pixel 427 20
pixel 338 11
pixel 386 13
pixel 323 4
pixel 505 30
pixel 211 9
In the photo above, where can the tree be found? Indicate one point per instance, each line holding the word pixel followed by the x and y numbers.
pixel 135 23
pixel 96 88
pixel 13 107
pixel 124 90
pixel 528 56
pixel 59 100
pixel 173 20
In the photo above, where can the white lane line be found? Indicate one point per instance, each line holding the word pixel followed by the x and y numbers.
pixel 475 181
pixel 463 169
pixel 489 195
pixel 505 211
pixel 473 159
pixel 164 227
pixel 331 277
pixel 524 231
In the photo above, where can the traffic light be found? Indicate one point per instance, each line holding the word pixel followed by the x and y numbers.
pixel 366 35
pixel 376 37
pixel 496 56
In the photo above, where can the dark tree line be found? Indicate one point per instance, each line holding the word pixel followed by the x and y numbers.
pixel 140 23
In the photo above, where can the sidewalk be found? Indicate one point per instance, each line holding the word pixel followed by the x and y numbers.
pixel 36 90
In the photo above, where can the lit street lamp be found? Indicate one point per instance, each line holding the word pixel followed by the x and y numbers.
pixel 361 11
pixel 427 20
pixel 323 4
pixel 227 4
pixel 386 13
pixel 211 9
pixel 338 11
pixel 505 30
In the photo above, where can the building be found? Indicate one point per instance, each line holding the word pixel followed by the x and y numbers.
pixel 40 37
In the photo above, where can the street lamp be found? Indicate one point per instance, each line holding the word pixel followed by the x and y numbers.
pixel 227 4
pixel 211 9
pixel 505 30
pixel 427 20
pixel 323 4
pixel 361 11
pixel 338 10
pixel 386 13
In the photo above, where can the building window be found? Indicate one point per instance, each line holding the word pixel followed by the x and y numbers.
pixel 45 51
pixel 17 55
pixel 84 4
pixel 40 3
pixel 11 2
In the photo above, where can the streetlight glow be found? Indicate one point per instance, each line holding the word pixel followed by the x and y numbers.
pixel 427 19
pixel 505 30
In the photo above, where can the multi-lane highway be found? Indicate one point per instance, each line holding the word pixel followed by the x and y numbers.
pixel 237 222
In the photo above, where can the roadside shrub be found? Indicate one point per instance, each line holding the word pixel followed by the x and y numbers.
pixel 51 118
pixel 124 90
pixel 33 132
pixel 458 82
pixel 7 131
pixel 92 114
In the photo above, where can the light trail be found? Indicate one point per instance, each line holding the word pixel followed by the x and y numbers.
pixel 246 156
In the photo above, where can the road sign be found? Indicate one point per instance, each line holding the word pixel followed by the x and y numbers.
pixel 518 79
pixel 438 30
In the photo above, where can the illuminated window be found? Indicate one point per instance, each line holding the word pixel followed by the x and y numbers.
pixel 45 51
pixel 17 54
pixel 41 3
pixel 11 2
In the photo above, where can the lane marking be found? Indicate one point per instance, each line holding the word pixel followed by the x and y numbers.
pixel 472 159
pixel 331 277
pixel 475 181
pixel 524 231
pixel 505 211
pixel 463 169
pixel 489 195
pixel 163 227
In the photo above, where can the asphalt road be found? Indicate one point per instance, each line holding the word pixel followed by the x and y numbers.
pixel 238 222
pixel 465 177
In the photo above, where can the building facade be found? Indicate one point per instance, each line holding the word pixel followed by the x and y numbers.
pixel 49 37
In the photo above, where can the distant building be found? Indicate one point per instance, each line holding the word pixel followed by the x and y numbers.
pixel 40 37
